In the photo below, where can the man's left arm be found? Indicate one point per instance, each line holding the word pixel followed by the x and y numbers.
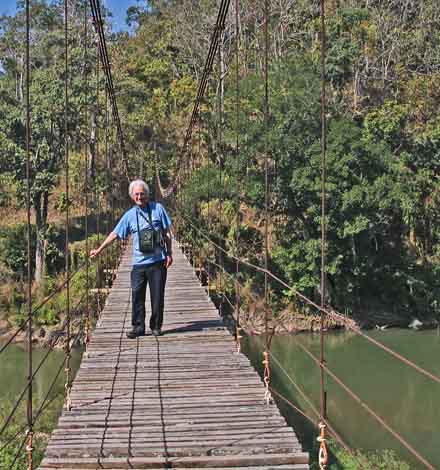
pixel 169 247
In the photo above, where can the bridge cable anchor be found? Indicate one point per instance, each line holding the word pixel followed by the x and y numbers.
pixel 267 395
pixel 30 448
pixel 323 454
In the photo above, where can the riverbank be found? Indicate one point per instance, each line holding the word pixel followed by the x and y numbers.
pixel 252 325
pixel 53 336
pixel 289 321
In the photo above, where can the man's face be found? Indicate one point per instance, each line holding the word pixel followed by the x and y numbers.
pixel 139 195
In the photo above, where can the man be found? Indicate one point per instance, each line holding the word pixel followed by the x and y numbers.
pixel 152 255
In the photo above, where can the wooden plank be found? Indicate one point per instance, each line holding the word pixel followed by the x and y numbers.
pixel 184 462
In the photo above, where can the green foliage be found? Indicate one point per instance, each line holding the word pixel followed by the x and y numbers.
pixel 13 249
pixel 385 460
pixel 13 257
pixel 347 36
pixel 8 454
pixel 61 203
pixel 379 180
pixel 11 447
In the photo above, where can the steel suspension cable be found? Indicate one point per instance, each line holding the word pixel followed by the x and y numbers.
pixel 29 413
pixel 107 184
pixel 219 283
pixel 215 37
pixel 103 54
pixel 219 27
pixel 86 184
pixel 267 334
pixel 96 191
pixel 238 328
pixel 112 200
pixel 67 385
pixel 323 454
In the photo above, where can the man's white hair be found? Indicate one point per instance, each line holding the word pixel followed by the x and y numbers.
pixel 138 183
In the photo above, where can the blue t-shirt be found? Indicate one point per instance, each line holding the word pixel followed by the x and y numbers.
pixel 128 225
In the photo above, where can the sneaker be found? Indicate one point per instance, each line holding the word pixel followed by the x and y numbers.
pixel 156 332
pixel 134 333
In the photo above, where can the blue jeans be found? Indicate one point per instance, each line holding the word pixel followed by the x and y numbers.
pixel 154 275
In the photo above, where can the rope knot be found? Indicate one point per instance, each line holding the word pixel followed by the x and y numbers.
pixel 323 454
pixel 267 395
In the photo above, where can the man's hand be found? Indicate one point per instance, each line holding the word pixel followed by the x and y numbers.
pixel 94 252
pixel 168 261
pixel 112 236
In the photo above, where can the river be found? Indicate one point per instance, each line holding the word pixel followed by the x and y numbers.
pixel 408 401
pixel 13 373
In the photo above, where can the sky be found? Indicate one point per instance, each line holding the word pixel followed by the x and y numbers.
pixel 117 7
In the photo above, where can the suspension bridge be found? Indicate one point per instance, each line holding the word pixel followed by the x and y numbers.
pixel 188 399
pixel 182 400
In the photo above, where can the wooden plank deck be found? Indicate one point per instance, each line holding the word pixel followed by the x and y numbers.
pixel 183 400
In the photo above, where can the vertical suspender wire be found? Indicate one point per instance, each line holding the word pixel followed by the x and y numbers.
pixel 86 183
pixel 237 135
pixel 29 411
pixel 66 156
pixel 96 189
pixel 323 457
pixel 220 169
pixel 107 181
pixel 112 204
pixel 268 337
pixel 208 206
pixel 187 206
pixel 199 159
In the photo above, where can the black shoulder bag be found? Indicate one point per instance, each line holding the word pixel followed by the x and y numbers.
pixel 149 239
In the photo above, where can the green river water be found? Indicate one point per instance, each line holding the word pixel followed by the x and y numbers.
pixel 13 380
pixel 408 401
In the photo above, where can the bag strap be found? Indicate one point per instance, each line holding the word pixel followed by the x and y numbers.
pixel 139 232
pixel 150 217
pixel 149 220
